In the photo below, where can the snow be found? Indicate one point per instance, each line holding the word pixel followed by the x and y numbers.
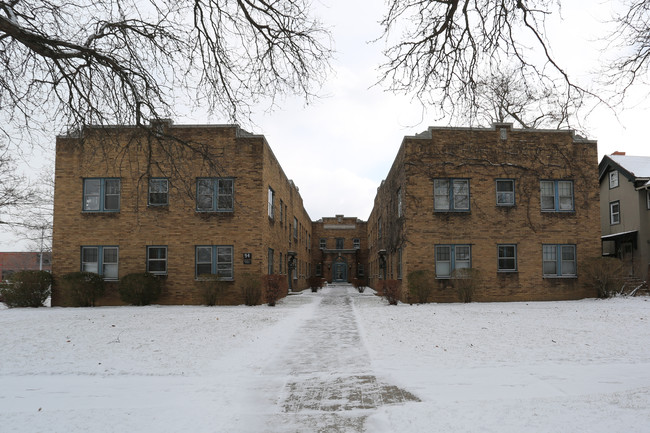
pixel 333 361
pixel 639 166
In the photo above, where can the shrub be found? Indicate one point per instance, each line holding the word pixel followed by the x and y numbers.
pixel 392 290
pixel 359 284
pixel 465 281
pixel 82 289
pixel 419 284
pixel 27 289
pixel 251 289
pixel 315 283
pixel 605 275
pixel 275 286
pixel 213 289
pixel 140 288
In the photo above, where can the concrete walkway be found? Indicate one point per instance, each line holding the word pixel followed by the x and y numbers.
pixel 333 387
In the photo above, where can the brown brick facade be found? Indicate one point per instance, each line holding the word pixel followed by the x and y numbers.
pixel 340 250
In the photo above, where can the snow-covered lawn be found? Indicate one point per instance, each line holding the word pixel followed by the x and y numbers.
pixel 304 365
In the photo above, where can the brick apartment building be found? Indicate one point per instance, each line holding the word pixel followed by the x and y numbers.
pixel 12 262
pixel 214 201
pixel 521 206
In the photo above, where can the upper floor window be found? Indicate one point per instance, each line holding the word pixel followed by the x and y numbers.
pixel 158 192
pixel 215 260
pixel 214 194
pixel 399 203
pixel 614 212
pixel 322 244
pixel 559 260
pixel 101 195
pixel 281 211
pixel 379 228
pixel 295 228
pixel 451 257
pixel 556 195
pixel 507 258
pixel 451 195
pixel 339 243
pixel 613 179
pixel 102 260
pixel 505 192
pixel 271 203
pixel 157 260
pixel 356 243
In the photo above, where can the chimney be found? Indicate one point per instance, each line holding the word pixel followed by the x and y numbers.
pixel 618 153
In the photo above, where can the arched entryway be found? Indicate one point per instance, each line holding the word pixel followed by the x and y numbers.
pixel 340 271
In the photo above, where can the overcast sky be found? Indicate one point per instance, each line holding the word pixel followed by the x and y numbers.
pixel 338 149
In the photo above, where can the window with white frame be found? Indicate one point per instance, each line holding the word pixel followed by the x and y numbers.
pixel 214 194
pixel 614 212
pixel 507 258
pixel 399 203
pixel 271 203
pixel 158 192
pixel 613 179
pixel 450 195
pixel 356 243
pixel 556 195
pixel 102 260
pixel 322 244
pixel 451 257
pixel 101 195
pixel 558 260
pixel 214 260
pixel 157 259
pixel 505 192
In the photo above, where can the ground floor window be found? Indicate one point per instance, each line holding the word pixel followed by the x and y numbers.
pixel 215 260
pixel 102 260
pixel 507 258
pixel 451 257
pixel 558 260
pixel 270 270
pixel 157 260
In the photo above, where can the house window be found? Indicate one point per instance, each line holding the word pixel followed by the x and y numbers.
pixel 505 192
pixel 339 243
pixel 450 195
pixel 360 270
pixel 399 203
pixel 399 264
pixel 319 269
pixel 101 195
pixel 507 258
pixel 215 260
pixel 270 261
pixel 271 203
pixel 157 260
pixel 556 195
pixel 379 228
pixel 451 257
pixel 559 260
pixel 281 265
pixel 613 179
pixel 295 228
pixel 281 212
pixel 614 212
pixel 356 243
pixel 214 194
pixel 322 244
pixel 158 192
pixel 102 260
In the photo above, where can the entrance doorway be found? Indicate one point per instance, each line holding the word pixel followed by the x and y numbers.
pixel 340 272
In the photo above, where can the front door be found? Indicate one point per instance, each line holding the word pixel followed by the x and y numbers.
pixel 340 272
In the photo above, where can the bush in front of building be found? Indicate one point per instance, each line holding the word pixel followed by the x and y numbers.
pixel 81 289
pixel 420 284
pixel 315 283
pixel 466 281
pixel 214 289
pixel 251 288
pixel 392 291
pixel 27 289
pixel 606 275
pixel 140 288
pixel 359 284
pixel 275 286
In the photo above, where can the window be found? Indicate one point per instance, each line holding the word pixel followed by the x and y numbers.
pixel 271 203
pixel 281 265
pixel 215 260
pixel 214 194
pixel 507 258
pixel 379 228
pixel 270 261
pixel 505 192
pixel 613 179
pixel 102 260
pixel 614 212
pixel 319 269
pixel 101 195
pixel 399 203
pixel 339 243
pixel 648 199
pixel 451 257
pixel 157 260
pixel 556 195
pixel 451 195
pixel 360 271
pixel 281 212
pixel 158 192
pixel 356 243
pixel 559 260
pixel 322 244
pixel 399 264
pixel 295 228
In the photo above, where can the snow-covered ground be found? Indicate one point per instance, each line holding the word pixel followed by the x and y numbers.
pixel 335 361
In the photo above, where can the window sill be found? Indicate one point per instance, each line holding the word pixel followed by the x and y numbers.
pixel 559 277
pixel 506 272
pixel 209 279
pixel 561 212
pixel 100 212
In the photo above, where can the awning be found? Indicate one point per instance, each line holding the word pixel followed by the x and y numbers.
pixel 615 235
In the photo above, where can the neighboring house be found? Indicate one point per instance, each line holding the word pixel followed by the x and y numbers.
pixel 11 263
pixel 221 205
pixel 520 206
pixel 625 210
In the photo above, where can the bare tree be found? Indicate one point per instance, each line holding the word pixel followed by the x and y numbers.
pixel 15 190
pixel 66 64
